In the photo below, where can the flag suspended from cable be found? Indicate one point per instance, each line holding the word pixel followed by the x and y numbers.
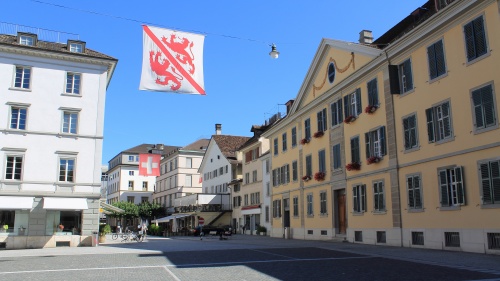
pixel 172 61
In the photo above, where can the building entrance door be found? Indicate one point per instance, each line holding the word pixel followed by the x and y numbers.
pixel 341 212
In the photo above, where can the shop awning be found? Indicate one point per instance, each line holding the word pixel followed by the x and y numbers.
pixel 171 217
pixel 62 203
pixel 16 202
pixel 110 208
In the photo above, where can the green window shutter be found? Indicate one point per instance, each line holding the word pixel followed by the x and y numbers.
pixel 411 192
pixel 446 119
pixel 488 106
pixel 417 191
pixel 383 145
pixel 460 185
pixel 358 101
pixel 406 129
pixel 339 110
pixel 440 63
pixel 355 199
pixel 367 141
pixel 363 197
pixel 495 179
pixel 394 82
pixel 431 55
pixel 479 37
pixel 347 105
pixel 429 113
pixel 486 183
pixel 443 186
pixel 469 41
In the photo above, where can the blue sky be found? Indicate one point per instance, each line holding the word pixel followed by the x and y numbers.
pixel 243 85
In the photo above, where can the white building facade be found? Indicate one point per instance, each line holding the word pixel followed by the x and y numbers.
pixel 53 98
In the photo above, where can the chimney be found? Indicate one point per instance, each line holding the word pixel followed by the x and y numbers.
pixel 365 37
pixel 218 129
pixel 289 106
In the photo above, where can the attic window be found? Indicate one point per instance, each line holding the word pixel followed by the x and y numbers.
pixel 76 46
pixel 26 39
pixel 331 72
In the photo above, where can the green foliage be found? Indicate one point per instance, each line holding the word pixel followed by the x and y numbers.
pixel 149 210
pixel 104 229
pixel 261 228
pixel 155 230
pixel 131 210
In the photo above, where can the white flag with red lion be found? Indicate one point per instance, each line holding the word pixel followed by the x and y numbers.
pixel 172 61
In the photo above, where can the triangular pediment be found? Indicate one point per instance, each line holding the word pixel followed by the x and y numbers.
pixel 334 62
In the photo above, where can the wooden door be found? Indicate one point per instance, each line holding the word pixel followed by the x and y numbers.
pixel 341 213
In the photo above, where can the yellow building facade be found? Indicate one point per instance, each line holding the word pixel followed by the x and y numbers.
pixel 397 141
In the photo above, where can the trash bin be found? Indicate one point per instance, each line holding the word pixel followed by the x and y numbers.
pixel 287 233
pixel 95 239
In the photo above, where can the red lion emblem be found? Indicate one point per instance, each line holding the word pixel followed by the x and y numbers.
pixel 161 69
pixel 181 46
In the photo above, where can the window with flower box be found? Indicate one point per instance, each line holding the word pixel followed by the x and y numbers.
pixel 309 165
pixel 322 123
pixel 355 157
pixel 375 144
pixel 372 88
pixel 352 106
pixel 307 128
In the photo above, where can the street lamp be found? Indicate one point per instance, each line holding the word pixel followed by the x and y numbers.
pixel 274 53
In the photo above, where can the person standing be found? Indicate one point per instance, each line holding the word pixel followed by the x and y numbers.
pixel 144 231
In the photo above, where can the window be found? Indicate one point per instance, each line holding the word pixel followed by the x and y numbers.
pixel 144 199
pixel 490 181
pixel 73 83
pixel 308 165
pixel 372 92
pixel 268 189
pixel 268 165
pixel 322 203
pixel 130 173
pixel 247 178
pixel 405 76
pixel 277 209
pixel 295 202
pixel 66 169
pixel 378 196
pixel 18 117
pixel 359 198
pixel 439 122
pixel 410 132
pixel 144 185
pixel 130 185
pixel 435 54
pixel 294 137
pixel 310 211
pixel 285 174
pixel 221 171
pixel 307 128
pixel 26 40
pixel 484 107
pixel 189 180
pixel 336 110
pixel 70 122
pixel 284 141
pixel 76 48
pixel 322 161
pixel 254 176
pixel 294 171
pixel 275 146
pixel 322 120
pixel 189 163
pixel 131 158
pixel 267 213
pixel 375 143
pixel 23 77
pixel 14 167
pixel 337 163
pixel 245 199
pixel 413 184
pixel 475 39
pixel 451 187
pixel 130 199
pixel 355 157
pixel 331 72
pixel 352 104
pixel 417 238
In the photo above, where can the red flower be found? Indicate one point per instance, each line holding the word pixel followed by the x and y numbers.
pixel 354 166
pixel 373 159
pixel 319 176
pixel 304 141
pixel 318 134
pixel 371 109
pixel 306 178
pixel 349 119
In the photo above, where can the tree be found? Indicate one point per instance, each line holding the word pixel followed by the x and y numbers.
pixel 149 210
pixel 131 210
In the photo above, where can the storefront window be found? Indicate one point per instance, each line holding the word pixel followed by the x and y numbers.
pixel 63 223
pixel 13 222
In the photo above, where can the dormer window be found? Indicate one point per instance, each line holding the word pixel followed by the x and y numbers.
pixel 26 39
pixel 76 46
